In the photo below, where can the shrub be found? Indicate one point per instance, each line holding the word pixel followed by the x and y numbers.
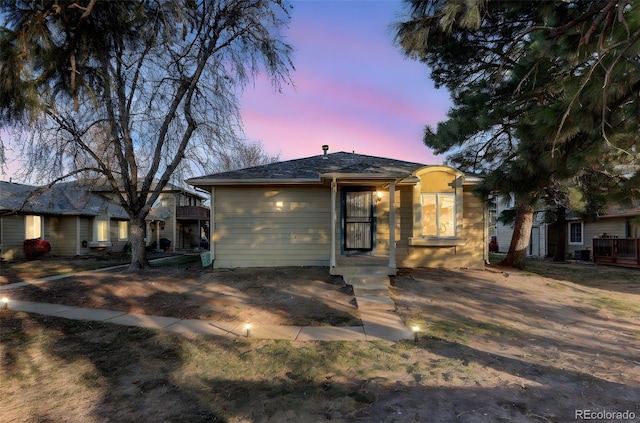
pixel 36 248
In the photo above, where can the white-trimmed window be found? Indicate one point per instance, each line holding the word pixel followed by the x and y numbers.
pixel 101 230
pixel 33 227
pixel 123 230
pixel 576 230
pixel 438 214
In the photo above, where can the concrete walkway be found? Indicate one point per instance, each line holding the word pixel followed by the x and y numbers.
pixel 379 322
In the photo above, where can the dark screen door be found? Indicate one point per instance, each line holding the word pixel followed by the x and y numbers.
pixel 358 220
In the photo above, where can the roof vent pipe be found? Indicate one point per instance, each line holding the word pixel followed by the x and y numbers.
pixel 325 148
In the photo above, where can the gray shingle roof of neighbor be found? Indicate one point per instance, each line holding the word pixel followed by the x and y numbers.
pixel 101 185
pixel 56 200
pixel 311 168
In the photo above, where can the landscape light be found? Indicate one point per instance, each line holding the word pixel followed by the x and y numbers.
pixel 5 303
pixel 415 330
pixel 247 327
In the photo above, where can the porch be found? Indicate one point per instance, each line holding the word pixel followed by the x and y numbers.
pixel 617 252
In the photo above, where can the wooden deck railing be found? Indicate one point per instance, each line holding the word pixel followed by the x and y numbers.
pixel 621 252
pixel 192 212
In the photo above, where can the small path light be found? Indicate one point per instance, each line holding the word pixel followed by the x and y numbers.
pixel 247 327
pixel 415 330
pixel 5 303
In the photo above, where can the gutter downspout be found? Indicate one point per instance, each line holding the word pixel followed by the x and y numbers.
pixel 334 190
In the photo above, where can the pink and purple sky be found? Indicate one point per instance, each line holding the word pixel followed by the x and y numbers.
pixel 353 89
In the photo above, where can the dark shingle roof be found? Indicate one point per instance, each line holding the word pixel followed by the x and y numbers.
pixel 310 168
pixel 56 200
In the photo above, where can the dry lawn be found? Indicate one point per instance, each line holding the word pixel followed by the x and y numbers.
pixel 495 347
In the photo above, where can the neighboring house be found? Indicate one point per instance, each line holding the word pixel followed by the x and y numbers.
pixel 345 209
pixel 611 238
pixel 74 221
pixel 179 215
pixel 539 240
pixel 81 217
pixel 609 235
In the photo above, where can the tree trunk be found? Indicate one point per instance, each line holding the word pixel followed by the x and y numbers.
pixel 561 234
pixel 521 236
pixel 138 247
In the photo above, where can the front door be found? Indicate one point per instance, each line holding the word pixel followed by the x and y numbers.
pixel 358 221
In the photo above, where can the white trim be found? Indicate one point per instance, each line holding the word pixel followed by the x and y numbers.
pixel 581 233
pixel 438 195
pixel 392 224
pixel 95 238
pixel 334 189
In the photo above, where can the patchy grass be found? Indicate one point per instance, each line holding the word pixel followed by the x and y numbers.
pixel 118 373
pixel 176 260
pixel 619 307
pixel 492 347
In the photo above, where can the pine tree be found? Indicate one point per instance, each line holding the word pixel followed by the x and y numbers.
pixel 542 90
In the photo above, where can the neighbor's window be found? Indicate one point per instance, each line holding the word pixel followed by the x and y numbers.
pixel 101 230
pixel 33 227
pixel 575 233
pixel 439 214
pixel 123 230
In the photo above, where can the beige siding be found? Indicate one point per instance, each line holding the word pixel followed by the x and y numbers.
pixel 61 232
pixel 167 207
pixel 471 235
pixel 86 234
pixel 117 245
pixel 403 206
pixel 13 237
pixel 613 227
pixel 274 226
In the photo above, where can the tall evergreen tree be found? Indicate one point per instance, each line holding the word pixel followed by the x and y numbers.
pixel 541 89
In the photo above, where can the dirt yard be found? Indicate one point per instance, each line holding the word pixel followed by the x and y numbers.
pixel 494 346
pixel 282 296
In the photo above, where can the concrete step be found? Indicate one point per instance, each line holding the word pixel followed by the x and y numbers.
pixel 375 303
pixel 363 270
pixel 371 292
pixel 375 282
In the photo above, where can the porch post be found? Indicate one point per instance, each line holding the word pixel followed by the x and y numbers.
pixel 334 190
pixel 392 224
